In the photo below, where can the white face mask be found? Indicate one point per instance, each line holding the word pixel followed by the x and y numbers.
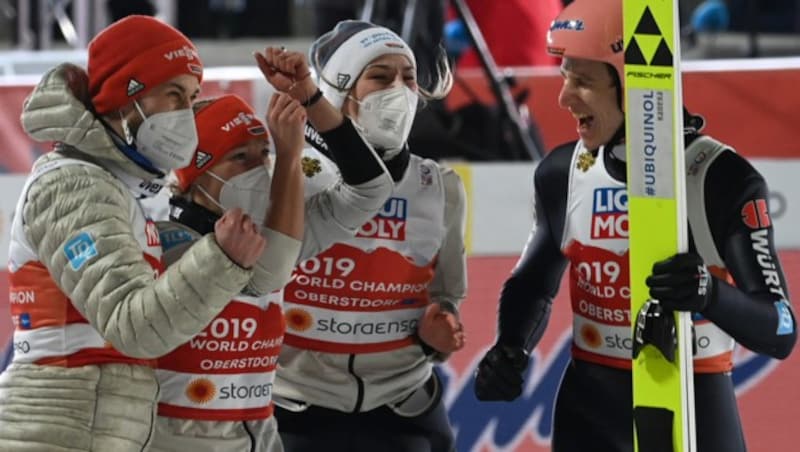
pixel 385 118
pixel 248 191
pixel 167 139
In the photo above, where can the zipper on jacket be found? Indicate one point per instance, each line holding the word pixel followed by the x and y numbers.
pixel 359 384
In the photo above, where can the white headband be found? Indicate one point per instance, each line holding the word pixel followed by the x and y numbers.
pixel 346 63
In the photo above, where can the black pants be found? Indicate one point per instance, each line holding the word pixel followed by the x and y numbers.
pixel 380 430
pixel 594 411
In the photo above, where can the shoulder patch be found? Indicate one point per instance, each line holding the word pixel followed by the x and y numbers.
pixel 80 250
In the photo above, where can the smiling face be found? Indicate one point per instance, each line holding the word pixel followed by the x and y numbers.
pixel 385 72
pixel 590 94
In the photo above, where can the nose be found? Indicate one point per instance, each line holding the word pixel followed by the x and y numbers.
pixel 566 97
pixel 398 80
pixel 184 103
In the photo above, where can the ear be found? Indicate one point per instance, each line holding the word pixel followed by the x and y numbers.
pixel 129 112
pixel 196 195
pixel 349 106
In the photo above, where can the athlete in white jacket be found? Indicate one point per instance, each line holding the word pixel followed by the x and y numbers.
pixel 366 317
pixel 92 303
pixel 217 388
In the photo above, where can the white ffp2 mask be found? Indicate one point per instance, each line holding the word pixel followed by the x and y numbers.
pixel 168 139
pixel 248 191
pixel 385 118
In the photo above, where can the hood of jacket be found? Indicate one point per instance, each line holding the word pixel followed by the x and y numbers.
pixel 57 111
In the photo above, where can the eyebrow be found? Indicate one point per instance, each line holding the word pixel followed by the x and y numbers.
pixel 183 90
pixel 576 74
pixel 179 87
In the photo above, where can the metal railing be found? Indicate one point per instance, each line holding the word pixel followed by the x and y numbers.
pixel 77 20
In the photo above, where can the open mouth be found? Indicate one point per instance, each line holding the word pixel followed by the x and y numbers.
pixel 585 122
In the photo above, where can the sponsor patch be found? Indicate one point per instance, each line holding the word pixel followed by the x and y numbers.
pixel 298 319
pixel 195 68
pixel 201 159
pixel 389 223
pixel 134 86
pixel 257 130
pixel 173 237
pixel 574 24
pixel 201 391
pixel 610 213
pixel 25 321
pixel 755 214
pixel 80 250
pixel 342 80
pixel 151 234
pixel 785 323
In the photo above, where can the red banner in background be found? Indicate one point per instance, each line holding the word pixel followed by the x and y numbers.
pixel 738 103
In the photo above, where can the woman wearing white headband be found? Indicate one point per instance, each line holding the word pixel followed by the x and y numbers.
pixel 367 318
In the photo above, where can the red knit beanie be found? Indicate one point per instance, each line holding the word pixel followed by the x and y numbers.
pixel 222 126
pixel 133 55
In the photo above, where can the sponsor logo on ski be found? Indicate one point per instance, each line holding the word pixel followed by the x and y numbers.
pixel 648 31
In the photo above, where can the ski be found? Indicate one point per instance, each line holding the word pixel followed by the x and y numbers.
pixel 663 389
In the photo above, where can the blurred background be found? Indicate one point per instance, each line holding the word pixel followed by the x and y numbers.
pixel 496 121
pixel 741 67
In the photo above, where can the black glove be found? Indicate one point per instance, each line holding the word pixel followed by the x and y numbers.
pixel 499 375
pixel 682 283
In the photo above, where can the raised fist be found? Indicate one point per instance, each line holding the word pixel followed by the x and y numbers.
pixel 239 237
